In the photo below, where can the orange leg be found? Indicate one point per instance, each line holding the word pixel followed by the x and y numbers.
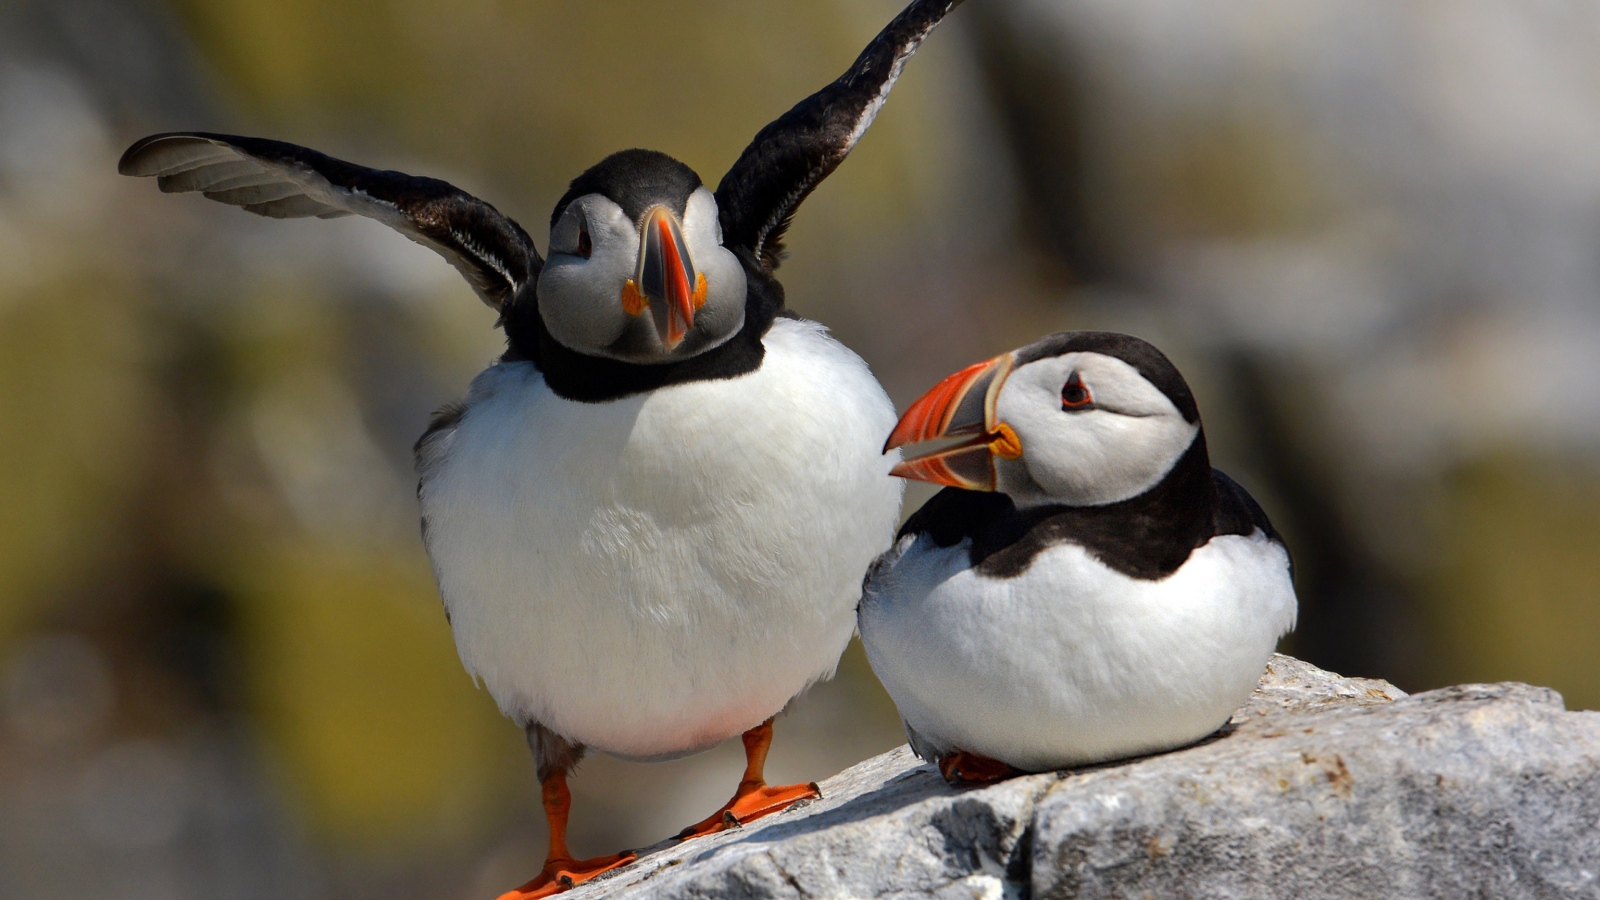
pixel 962 767
pixel 754 798
pixel 561 871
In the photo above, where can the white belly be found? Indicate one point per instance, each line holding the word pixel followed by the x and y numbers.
pixel 1070 662
pixel 652 575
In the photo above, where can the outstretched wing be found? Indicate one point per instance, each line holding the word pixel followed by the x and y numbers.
pixel 792 155
pixel 286 181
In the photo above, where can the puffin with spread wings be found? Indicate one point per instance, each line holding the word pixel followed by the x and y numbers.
pixel 648 520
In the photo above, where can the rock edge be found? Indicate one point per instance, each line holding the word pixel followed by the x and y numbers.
pixel 1320 786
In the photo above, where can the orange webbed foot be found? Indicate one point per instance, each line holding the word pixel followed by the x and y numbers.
pixel 562 873
pixel 962 767
pixel 754 800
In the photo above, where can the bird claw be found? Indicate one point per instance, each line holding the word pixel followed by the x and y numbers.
pixel 753 801
pixel 562 873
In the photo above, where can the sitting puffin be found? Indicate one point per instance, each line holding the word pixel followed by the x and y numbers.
pixel 649 519
pixel 1087 588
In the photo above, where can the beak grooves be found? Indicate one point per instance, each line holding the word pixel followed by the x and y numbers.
pixel 962 404
pixel 969 466
pixel 665 282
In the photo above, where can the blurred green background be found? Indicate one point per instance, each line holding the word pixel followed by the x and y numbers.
pixel 1368 232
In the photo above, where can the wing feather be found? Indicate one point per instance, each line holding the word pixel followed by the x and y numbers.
pixel 790 157
pixel 286 181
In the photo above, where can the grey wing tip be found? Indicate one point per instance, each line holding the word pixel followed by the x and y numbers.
pixel 228 169
pixel 142 160
pixel 134 160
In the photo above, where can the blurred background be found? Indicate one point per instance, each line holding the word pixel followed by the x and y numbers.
pixel 1367 231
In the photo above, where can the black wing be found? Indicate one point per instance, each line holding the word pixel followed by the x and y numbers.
pixel 1238 513
pixel 792 155
pixel 286 181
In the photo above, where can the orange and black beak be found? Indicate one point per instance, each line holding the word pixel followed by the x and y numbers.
pixel 960 405
pixel 665 282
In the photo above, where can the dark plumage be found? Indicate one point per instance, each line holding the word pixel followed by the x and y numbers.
pixel 1147 537
pixel 790 157
pixel 594 379
pixel 636 180
pixel 287 181
pixel 1150 362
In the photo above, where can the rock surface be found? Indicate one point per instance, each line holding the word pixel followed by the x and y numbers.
pixel 1320 786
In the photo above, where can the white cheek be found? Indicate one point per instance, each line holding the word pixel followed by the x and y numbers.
pixel 723 313
pixel 700 225
pixel 1107 458
pixel 580 300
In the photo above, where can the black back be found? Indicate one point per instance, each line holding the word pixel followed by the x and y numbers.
pixel 1146 537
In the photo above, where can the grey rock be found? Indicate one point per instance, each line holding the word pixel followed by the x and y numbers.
pixel 1320 786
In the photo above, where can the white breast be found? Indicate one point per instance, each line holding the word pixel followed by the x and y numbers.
pixel 1072 662
pixel 655 574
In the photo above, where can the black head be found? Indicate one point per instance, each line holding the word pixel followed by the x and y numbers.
pixel 1082 418
pixel 1143 356
pixel 634 180
pixel 637 271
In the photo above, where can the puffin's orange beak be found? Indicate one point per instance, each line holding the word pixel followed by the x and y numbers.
pixel 960 405
pixel 665 282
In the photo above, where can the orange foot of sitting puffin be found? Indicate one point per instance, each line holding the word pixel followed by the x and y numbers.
pixel 561 871
pixel 754 798
pixel 962 767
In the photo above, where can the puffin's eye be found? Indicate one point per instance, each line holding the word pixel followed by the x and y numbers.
pixel 1074 396
pixel 585 245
